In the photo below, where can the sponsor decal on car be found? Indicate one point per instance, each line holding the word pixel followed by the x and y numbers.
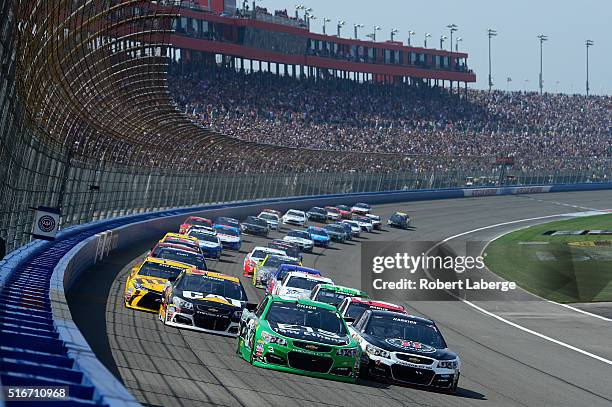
pixel 410 345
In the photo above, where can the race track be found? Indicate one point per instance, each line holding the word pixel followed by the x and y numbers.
pixel 527 353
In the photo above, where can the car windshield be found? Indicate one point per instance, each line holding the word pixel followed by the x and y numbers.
pixel 183 256
pixel 211 285
pixel 306 315
pixel 318 210
pixel 331 297
pixel 183 242
pixel 335 228
pixel 356 309
pixel 298 233
pixel 295 213
pixel 275 261
pixel 362 205
pixel 268 216
pixel 319 232
pixel 206 237
pixel 343 208
pixel 397 218
pixel 302 283
pixel 256 221
pixel 228 222
pixel 389 326
pixel 289 250
pixel 332 210
pixel 228 231
pixel 353 224
pixel 198 222
pixel 259 254
pixel 150 269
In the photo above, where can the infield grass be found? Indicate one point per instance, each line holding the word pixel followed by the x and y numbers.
pixel 567 268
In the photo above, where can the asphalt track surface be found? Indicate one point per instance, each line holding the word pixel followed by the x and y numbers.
pixel 518 360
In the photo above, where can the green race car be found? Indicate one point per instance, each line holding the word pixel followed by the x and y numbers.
pixel 334 294
pixel 299 336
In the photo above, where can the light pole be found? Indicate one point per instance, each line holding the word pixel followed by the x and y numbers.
pixel 340 24
pixel 457 41
pixel 297 9
pixel 356 26
pixel 490 33
pixel 311 17
pixel 410 34
pixel 393 32
pixel 307 17
pixel 442 38
pixel 452 28
pixel 373 35
pixel 325 21
pixel 427 35
pixel 588 43
pixel 542 38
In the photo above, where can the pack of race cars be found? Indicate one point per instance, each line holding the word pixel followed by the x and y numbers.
pixel 306 323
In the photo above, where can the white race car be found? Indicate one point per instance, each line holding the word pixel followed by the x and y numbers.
pixel 301 238
pixel 255 256
pixel 271 218
pixel 376 222
pixel 355 228
pixel 361 208
pixel 294 217
pixel 298 284
pixel 405 349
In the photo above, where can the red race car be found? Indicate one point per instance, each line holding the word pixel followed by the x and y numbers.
pixel 194 221
pixel 345 211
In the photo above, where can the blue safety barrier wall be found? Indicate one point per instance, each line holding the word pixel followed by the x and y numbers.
pixel 39 342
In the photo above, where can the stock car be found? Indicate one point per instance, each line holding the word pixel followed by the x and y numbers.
pixel 194 221
pixel 333 213
pixel 160 245
pixel 229 237
pixel 271 218
pixel 405 349
pixel 268 266
pixel 334 294
pixel 317 214
pixel 349 230
pixel 229 222
pixel 299 336
pixel 361 208
pixel 355 227
pixel 294 217
pixel 319 236
pixel 345 211
pixel 375 219
pixel 183 240
pixel 144 285
pixel 301 238
pixel 284 269
pixel 208 240
pixel 399 220
pixel 255 256
pixel 298 284
pixel 364 223
pixel 273 211
pixel 181 255
pixel 351 308
pixel 255 226
pixel 203 301
pixel 336 232
pixel 291 249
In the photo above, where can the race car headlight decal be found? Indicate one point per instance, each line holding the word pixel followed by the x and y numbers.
pixel 181 303
pixel 347 352
pixel 448 364
pixel 376 351
pixel 139 286
pixel 269 338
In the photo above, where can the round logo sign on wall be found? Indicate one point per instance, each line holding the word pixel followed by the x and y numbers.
pixel 46 223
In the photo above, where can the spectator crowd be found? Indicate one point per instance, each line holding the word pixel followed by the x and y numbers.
pixel 540 131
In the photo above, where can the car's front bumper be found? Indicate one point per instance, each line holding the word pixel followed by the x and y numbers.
pixel 142 300
pixel 321 243
pixel 231 245
pixel 199 322
pixel 212 253
pixel 408 373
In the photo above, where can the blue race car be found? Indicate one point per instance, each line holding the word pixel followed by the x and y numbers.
pixel 209 243
pixel 319 236
pixel 229 237
pixel 229 222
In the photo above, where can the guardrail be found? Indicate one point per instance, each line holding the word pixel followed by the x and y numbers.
pixel 39 342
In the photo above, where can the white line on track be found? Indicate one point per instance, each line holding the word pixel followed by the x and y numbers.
pixel 513 324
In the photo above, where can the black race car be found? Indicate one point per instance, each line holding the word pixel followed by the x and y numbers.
pixel 399 220
pixel 405 349
pixel 336 232
pixel 317 214
pixel 255 226
pixel 292 249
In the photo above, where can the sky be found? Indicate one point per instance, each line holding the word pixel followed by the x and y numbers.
pixel 516 49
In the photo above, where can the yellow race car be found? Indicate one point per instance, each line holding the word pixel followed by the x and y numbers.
pixel 145 284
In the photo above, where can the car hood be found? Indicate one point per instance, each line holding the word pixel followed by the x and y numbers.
pixel 309 334
pixel 405 346
pixel 211 298
pixel 292 217
pixel 204 243
pixel 290 292
pixel 297 239
pixel 151 283
pixel 228 238
pixel 320 238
